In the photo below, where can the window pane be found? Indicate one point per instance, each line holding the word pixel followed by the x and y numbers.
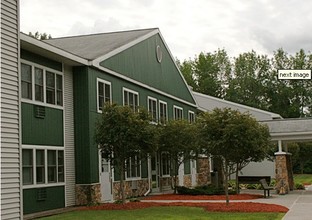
pixel 59 86
pixel 26 81
pixel 126 98
pixel 107 93
pixel 60 169
pixel 39 84
pixel 40 166
pixel 27 161
pixel 100 95
pixel 51 166
pixel 50 87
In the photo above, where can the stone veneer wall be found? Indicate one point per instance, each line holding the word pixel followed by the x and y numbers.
pixel 141 189
pixel 282 175
pixel 88 194
pixel 203 171
pixel 187 180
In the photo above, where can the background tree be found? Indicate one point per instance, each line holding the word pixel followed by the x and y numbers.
pixel 121 134
pixel 178 139
pixel 40 36
pixel 234 137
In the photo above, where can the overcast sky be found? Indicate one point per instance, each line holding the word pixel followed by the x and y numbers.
pixel 188 26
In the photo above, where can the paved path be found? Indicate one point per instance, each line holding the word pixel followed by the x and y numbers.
pixel 299 202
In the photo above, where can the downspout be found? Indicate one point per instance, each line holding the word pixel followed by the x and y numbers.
pixel 149 176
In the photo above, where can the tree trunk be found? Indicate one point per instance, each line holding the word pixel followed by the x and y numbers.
pixel 236 179
pixel 122 183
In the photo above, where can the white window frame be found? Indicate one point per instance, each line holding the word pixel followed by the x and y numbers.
pixel 98 80
pixel 189 116
pixel 140 169
pixel 148 108
pixel 130 91
pixel 174 112
pixel 45 69
pixel 34 166
pixel 166 110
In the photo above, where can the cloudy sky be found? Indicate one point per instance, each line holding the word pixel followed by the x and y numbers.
pixel 188 27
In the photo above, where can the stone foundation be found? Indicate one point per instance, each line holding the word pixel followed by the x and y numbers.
pixel 88 194
pixel 203 171
pixel 133 188
pixel 187 181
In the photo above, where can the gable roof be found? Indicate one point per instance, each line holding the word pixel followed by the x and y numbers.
pixel 208 103
pixel 94 46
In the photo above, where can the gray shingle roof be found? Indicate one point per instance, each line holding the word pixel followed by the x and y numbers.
pixel 95 45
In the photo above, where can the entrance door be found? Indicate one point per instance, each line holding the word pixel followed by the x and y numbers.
pixel 155 173
pixel 106 180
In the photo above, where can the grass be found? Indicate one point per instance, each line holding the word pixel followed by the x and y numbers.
pixel 156 213
pixel 303 178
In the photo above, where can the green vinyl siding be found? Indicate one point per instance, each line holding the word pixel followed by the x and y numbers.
pixel 47 130
pixel 42 199
pixel 140 63
pixel 26 55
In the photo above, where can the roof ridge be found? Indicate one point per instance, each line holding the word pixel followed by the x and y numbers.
pixel 103 33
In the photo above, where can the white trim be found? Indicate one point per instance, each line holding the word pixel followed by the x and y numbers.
pixel 148 106
pixel 188 115
pixel 124 47
pixel 144 85
pixel 97 92
pixel 165 103
pixel 130 91
pixel 138 160
pixel 44 69
pixel 45 148
pixel 177 107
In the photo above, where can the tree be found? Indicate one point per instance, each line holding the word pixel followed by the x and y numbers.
pixel 178 139
pixel 234 137
pixel 122 134
pixel 40 36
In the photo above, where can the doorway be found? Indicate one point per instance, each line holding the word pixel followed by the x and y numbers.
pixel 105 179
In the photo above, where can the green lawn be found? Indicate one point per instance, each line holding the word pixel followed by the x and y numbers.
pixel 176 213
pixel 303 178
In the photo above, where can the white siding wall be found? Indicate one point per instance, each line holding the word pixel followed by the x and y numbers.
pixel 69 137
pixel 10 151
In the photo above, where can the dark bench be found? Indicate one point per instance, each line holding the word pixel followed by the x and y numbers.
pixel 263 180
pixel 265 187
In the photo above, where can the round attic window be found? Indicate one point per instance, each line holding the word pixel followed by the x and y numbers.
pixel 158 54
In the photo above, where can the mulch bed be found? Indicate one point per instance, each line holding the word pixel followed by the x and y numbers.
pixel 211 207
pixel 202 197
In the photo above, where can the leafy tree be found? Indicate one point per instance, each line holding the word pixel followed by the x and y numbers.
pixel 178 139
pixel 121 134
pixel 234 137
pixel 40 36
pixel 187 69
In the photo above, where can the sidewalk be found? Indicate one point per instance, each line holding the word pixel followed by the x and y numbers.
pixel 299 202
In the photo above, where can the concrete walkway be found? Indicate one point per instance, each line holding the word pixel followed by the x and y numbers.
pixel 299 202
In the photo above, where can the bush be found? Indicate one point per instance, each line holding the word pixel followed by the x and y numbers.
pixel 202 190
pixel 299 186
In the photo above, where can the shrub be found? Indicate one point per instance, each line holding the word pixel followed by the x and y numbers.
pixel 299 186
pixel 202 190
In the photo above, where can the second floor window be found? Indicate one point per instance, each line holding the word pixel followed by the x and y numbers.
pixel 191 117
pixel 177 113
pixel 131 99
pixel 152 108
pixel 103 93
pixel 163 116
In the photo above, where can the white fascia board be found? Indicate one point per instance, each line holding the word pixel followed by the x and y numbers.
pixel 142 84
pixel 273 115
pixel 53 49
pixel 124 47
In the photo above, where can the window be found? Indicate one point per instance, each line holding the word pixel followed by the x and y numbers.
pixel 27 159
pixel 177 113
pixel 41 85
pixel 103 93
pixel 26 81
pixel 165 164
pixel 42 166
pixel 191 117
pixel 163 112
pixel 152 108
pixel 133 167
pixel 131 99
